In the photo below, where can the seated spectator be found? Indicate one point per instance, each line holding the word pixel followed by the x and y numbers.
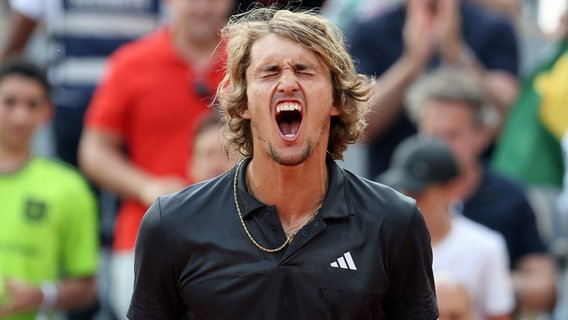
pixel 48 223
pixel 450 104
pixel 425 169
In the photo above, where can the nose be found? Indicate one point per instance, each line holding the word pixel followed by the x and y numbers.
pixel 288 82
pixel 21 113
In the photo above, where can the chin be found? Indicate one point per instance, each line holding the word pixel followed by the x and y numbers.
pixel 291 159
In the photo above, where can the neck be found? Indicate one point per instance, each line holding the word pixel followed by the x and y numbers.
pixel 296 191
pixel 469 181
pixel 195 51
pixel 439 225
pixel 12 159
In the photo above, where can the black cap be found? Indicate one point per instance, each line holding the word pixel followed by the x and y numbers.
pixel 418 162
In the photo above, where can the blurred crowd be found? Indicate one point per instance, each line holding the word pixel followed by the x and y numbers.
pixel 106 105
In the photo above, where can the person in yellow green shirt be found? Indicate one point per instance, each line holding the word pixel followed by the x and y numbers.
pixel 48 225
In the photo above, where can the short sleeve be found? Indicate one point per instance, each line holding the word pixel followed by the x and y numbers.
pixel 155 292
pixel 412 284
pixel 33 9
pixel 111 100
pixel 81 242
pixel 498 295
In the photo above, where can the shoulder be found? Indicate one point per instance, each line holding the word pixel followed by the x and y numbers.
pixel 486 19
pixel 475 230
pixel 382 25
pixel 140 50
pixel 387 17
pixel 187 213
pixel 498 183
pixel 54 170
pixel 379 202
pixel 56 179
pixel 479 239
pixel 196 199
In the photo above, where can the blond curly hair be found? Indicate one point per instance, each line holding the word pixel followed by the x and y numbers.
pixel 352 91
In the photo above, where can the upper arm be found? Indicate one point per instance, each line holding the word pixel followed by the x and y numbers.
pixel 412 288
pixel 97 144
pixel 155 287
pixel 33 9
pixel 19 33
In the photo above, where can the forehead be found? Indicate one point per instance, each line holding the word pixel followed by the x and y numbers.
pixel 276 49
pixel 20 82
pixel 444 109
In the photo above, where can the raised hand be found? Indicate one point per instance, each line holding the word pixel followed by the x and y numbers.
pixel 419 33
pixel 448 30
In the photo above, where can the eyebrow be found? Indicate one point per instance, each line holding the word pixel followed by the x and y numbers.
pixel 270 68
pixel 296 67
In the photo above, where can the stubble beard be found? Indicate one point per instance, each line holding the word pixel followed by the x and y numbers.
pixel 289 161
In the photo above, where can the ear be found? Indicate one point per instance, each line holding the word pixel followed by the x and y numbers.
pixel 483 138
pixel 456 188
pixel 334 111
pixel 49 112
pixel 246 112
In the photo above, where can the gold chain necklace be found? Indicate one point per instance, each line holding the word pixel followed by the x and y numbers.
pixel 291 233
pixel 288 237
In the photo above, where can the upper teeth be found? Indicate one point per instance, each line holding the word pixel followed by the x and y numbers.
pixel 288 106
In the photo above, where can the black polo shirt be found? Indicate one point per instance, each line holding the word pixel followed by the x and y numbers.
pixel 366 255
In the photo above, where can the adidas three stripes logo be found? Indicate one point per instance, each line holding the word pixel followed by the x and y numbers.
pixel 344 262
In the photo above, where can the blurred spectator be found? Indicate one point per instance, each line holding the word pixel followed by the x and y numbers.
pixel 425 169
pixel 530 148
pixel 48 227
pixel 454 301
pixel 81 34
pixel 209 157
pixel 137 132
pixel 400 44
pixel 451 104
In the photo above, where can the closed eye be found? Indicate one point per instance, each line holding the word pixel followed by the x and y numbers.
pixel 304 69
pixel 270 70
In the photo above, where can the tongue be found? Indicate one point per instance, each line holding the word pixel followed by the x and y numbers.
pixel 289 128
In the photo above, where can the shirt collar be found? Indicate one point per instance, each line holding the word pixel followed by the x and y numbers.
pixel 337 202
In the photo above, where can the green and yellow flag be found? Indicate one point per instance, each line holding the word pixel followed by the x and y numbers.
pixel 529 147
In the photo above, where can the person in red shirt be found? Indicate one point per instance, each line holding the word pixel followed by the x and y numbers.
pixel 136 127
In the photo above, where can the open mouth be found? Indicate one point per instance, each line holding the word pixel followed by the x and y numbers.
pixel 289 119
